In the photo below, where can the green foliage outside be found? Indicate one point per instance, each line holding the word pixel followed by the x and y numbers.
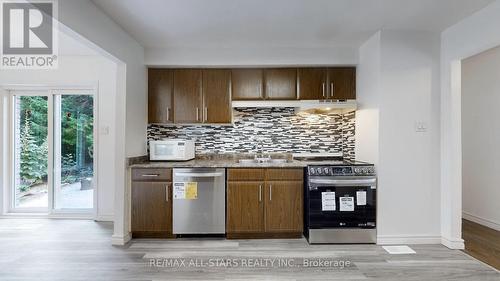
pixel 76 143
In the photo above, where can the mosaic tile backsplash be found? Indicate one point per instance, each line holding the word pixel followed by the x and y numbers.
pixel 268 130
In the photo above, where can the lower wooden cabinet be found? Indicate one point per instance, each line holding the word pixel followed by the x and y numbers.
pixel 284 206
pixel 264 207
pixel 245 207
pixel 151 203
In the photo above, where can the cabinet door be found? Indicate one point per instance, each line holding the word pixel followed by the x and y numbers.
pixel 284 205
pixel 342 83
pixel 216 96
pixel 151 207
pixel 160 87
pixel 247 84
pixel 311 83
pixel 245 211
pixel 280 83
pixel 187 96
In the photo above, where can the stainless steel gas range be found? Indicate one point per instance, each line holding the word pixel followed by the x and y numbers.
pixel 340 202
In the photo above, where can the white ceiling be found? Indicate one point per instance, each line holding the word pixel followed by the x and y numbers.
pixel 278 23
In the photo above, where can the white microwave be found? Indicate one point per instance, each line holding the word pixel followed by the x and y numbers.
pixel 171 150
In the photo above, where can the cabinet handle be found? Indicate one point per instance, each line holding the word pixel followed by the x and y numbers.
pixel 270 192
pixel 332 90
pixel 197 114
pixel 206 114
pixel 260 193
pixel 150 175
pixel 166 192
pixel 168 113
pixel 323 88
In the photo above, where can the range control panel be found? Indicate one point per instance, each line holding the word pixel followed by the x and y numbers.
pixel 341 170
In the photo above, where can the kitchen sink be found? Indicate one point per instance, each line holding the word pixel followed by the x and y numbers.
pixel 255 161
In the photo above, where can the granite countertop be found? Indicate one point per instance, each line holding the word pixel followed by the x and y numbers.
pixel 226 161
pixel 218 163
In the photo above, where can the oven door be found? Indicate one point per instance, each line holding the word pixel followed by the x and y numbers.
pixel 338 202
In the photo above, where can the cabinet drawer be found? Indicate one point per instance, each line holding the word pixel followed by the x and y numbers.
pixel 285 174
pixel 245 174
pixel 148 174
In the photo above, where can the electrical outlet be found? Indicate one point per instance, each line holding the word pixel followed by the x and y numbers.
pixel 420 126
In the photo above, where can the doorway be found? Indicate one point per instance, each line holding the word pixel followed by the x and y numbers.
pixel 52 148
pixel 480 126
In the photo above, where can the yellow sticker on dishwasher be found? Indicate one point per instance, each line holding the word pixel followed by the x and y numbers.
pixel 191 190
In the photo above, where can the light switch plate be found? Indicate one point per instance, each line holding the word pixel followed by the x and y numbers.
pixel 105 130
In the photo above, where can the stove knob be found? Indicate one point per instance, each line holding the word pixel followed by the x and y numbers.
pixel 357 170
pixel 311 171
pixel 325 171
pixel 345 171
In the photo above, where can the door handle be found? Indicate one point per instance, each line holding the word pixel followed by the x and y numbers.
pixel 323 89
pixel 166 193
pixel 332 90
pixel 197 114
pixel 260 193
pixel 168 113
pixel 198 175
pixel 206 113
pixel 270 192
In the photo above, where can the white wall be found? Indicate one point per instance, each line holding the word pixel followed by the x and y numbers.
pixel 84 71
pixel 406 91
pixel 251 56
pixel 473 35
pixel 84 18
pixel 480 138
pixel 367 97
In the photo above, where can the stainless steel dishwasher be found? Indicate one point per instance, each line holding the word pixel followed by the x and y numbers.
pixel 199 201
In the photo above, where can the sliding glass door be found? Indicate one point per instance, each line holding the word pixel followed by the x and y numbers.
pixel 73 151
pixel 53 145
pixel 30 147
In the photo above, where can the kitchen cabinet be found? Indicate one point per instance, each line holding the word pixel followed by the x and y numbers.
pixel 312 83
pixel 336 83
pixel 247 84
pixel 217 96
pixel 280 83
pixel 284 206
pixel 151 203
pixel 342 83
pixel 245 207
pixel 264 202
pixel 187 96
pixel 160 93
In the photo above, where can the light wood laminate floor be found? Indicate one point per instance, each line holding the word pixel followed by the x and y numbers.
pixel 482 242
pixel 41 249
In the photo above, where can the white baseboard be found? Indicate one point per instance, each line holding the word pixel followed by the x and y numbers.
pixel 120 240
pixel 109 218
pixel 407 239
pixel 455 244
pixel 488 223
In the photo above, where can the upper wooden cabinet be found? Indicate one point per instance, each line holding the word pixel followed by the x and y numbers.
pixel 312 83
pixel 216 96
pixel 188 96
pixel 160 89
pixel 247 84
pixel 280 83
pixel 342 83
pixel 204 95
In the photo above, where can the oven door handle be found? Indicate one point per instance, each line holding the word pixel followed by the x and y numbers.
pixel 364 182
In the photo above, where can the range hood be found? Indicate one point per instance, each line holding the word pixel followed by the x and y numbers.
pixel 303 105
